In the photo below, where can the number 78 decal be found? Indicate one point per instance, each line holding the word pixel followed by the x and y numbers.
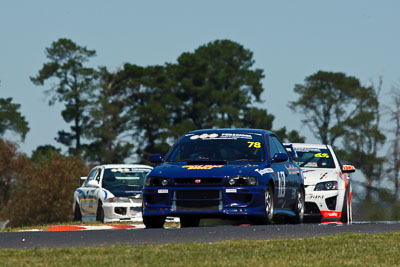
pixel 254 144
pixel 281 184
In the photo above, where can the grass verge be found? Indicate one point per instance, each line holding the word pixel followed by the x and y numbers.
pixel 344 249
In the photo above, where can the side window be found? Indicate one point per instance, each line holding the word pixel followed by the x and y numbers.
pixel 272 147
pixel 279 145
pixel 91 175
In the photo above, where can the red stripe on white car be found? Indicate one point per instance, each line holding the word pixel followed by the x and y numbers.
pixel 331 214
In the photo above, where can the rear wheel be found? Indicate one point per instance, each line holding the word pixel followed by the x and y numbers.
pixel 77 213
pixel 100 213
pixel 153 221
pixel 189 221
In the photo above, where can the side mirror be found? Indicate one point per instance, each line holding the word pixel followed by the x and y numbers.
pixel 279 157
pixel 289 148
pixel 156 158
pixel 82 180
pixel 348 169
pixel 93 183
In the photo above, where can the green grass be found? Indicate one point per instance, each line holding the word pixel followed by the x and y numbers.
pixel 344 249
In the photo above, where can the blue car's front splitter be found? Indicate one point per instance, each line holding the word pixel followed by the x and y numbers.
pixel 204 201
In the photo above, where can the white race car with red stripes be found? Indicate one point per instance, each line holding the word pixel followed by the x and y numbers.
pixel 326 181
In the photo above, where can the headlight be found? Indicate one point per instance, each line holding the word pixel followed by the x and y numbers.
pixel 331 185
pixel 242 181
pixel 117 200
pixel 156 181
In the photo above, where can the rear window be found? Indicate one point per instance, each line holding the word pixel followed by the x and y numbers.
pixel 314 158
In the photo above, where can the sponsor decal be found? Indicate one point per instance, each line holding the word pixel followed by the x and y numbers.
pixel 323 175
pixel 292 169
pixel 316 196
pixel 264 171
pixel 293 193
pixel 231 190
pixel 162 191
pixel 204 136
pixel 321 155
pixel 201 167
pixel 331 214
pixel 348 167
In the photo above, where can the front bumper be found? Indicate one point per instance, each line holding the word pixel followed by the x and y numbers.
pixel 122 212
pixel 204 201
pixel 326 204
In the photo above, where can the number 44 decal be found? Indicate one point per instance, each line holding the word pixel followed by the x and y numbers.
pixel 281 184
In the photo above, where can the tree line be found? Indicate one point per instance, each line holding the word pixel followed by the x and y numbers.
pixel 134 111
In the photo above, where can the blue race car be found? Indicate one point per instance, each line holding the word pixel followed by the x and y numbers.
pixel 224 173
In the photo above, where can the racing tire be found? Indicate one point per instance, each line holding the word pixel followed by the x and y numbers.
pixel 100 213
pixel 268 209
pixel 299 207
pixel 153 221
pixel 77 213
pixel 189 221
pixel 346 210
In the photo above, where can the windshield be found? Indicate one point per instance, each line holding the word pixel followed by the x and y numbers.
pixel 124 177
pixel 218 147
pixel 314 158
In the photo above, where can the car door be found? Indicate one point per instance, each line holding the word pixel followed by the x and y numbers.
pixel 84 198
pixel 280 176
pixel 292 175
pixel 93 194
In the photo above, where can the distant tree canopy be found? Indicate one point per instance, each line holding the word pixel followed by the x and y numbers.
pixel 11 119
pixel 337 107
pixel 143 110
pixel 73 84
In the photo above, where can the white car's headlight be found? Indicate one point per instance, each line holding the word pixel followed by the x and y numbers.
pixel 117 200
pixel 331 185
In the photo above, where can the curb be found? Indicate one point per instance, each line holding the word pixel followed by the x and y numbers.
pixel 60 228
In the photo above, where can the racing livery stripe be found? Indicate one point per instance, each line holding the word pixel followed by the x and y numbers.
pixel 331 214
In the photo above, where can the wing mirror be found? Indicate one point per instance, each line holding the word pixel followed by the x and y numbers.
pixel 82 180
pixel 348 169
pixel 279 157
pixel 156 158
pixel 93 183
pixel 289 148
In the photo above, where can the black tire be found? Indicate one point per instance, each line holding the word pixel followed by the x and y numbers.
pixel 77 213
pixel 346 208
pixel 100 213
pixel 299 207
pixel 189 221
pixel 153 221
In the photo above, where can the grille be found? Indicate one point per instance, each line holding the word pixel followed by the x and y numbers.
pixel 203 181
pixel 197 205
pixel 197 194
pixel 243 198
pixel 154 199
pixel 331 202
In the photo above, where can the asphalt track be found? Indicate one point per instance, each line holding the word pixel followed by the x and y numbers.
pixel 68 239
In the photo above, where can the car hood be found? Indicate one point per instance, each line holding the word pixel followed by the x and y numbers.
pixel 313 176
pixel 125 192
pixel 182 170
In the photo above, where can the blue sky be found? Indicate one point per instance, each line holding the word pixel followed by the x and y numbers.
pixel 290 40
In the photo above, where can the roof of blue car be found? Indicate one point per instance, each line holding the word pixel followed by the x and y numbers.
pixel 233 130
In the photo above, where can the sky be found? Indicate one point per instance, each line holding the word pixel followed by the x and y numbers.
pixel 290 41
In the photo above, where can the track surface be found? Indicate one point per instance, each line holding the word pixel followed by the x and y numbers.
pixel 27 240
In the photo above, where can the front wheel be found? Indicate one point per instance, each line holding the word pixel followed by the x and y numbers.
pixel 153 221
pixel 346 210
pixel 299 208
pixel 77 213
pixel 100 213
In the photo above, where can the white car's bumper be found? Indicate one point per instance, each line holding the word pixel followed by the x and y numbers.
pixel 122 212
pixel 328 204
